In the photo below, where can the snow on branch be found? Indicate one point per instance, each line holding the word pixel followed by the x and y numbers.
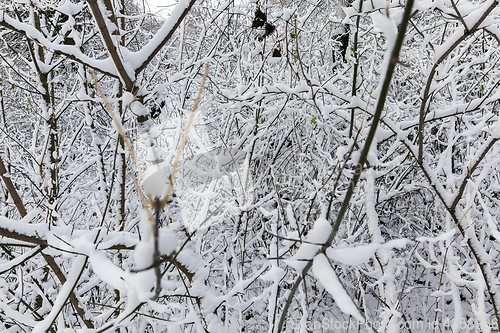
pixel 143 57
pixel 325 274
pixel 23 231
pixel 104 66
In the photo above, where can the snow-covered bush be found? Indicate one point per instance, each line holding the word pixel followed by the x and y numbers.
pixel 324 174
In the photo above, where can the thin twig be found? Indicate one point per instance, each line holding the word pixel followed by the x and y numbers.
pixel 183 140
pixel 119 127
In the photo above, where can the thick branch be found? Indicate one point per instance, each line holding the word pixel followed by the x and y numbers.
pixel 12 190
pixel 9 233
pixel 165 33
pixel 111 47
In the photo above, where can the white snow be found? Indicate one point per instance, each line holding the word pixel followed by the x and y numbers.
pixel 325 274
pixel 144 250
pixel 156 181
pixel 287 13
pixel 62 297
pixel 439 50
pixel 136 59
pixel 17 316
pixel 357 255
pixel 22 226
pixel 138 108
pixel 387 27
pixel 108 271
pixel 275 274
pixel 127 98
pixel 118 238
pixel 496 131
pixel 141 284
pixel 470 20
pixel 105 65
pixel 9 264
pixel 316 237
pixel 445 236
pixel 167 242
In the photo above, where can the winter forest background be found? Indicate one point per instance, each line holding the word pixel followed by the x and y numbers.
pixel 271 214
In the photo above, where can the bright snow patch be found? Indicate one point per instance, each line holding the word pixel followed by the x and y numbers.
pixel 275 274
pixel 315 239
pixel 325 274
pixel 155 181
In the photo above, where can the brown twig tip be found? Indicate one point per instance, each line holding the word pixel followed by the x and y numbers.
pixel 399 62
pixel 404 64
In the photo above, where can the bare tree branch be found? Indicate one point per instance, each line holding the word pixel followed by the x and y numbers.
pixel 110 45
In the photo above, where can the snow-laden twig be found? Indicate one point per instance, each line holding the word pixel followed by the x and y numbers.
pixel 67 288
